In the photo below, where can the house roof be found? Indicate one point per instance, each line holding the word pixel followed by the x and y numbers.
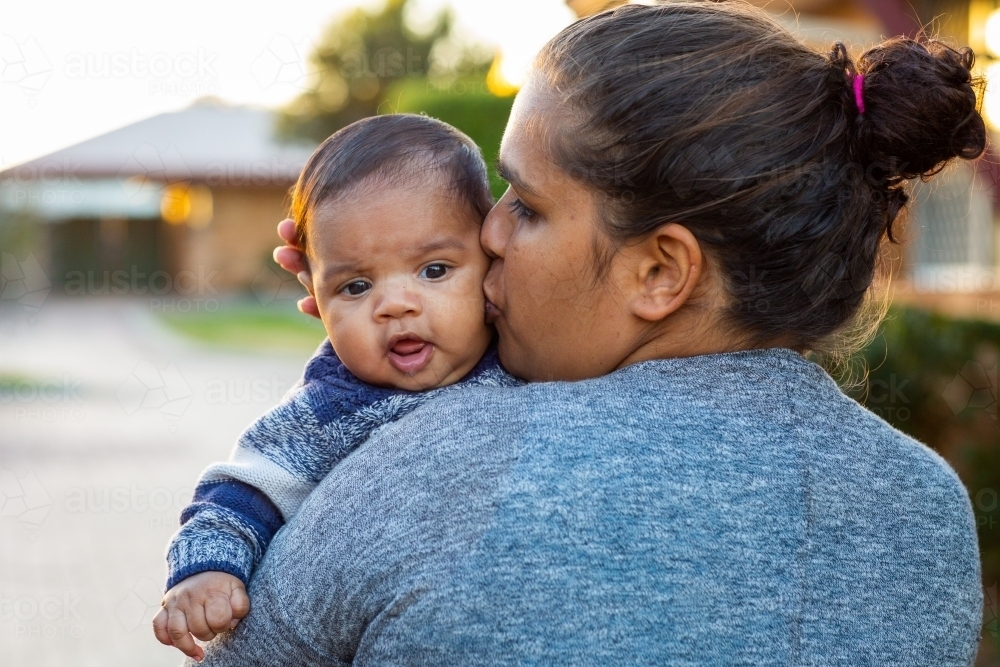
pixel 209 141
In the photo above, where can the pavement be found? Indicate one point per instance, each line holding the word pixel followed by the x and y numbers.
pixel 106 420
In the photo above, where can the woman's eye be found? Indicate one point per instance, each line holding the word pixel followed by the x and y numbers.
pixel 520 211
pixel 434 271
pixel 357 288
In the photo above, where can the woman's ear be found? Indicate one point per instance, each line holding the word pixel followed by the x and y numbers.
pixel 667 265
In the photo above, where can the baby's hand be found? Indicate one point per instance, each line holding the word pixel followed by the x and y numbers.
pixel 202 605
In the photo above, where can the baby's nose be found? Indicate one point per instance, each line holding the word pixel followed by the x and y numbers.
pixel 397 301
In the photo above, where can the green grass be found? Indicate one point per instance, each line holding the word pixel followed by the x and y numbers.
pixel 249 325
pixel 12 383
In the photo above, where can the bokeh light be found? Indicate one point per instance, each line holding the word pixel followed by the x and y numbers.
pixel 992 33
pixel 991 98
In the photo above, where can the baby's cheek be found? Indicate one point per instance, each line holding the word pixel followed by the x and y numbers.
pixel 471 317
pixel 467 305
pixel 357 343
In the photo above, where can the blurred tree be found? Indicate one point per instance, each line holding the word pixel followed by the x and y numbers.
pixel 358 59
pixel 465 103
pixel 368 64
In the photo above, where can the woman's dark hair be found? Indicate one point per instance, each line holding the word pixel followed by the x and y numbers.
pixel 386 150
pixel 712 115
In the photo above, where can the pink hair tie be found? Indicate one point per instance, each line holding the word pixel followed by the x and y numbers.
pixel 858 81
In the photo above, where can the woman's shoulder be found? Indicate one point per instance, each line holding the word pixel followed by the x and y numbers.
pixel 672 386
pixel 774 400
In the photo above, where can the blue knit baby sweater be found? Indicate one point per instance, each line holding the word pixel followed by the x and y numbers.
pixel 240 504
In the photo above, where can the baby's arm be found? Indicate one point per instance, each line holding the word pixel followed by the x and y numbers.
pixel 238 506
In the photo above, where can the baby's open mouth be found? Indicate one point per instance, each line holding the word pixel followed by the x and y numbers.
pixel 410 355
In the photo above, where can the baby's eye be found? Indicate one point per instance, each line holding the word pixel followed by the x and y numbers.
pixel 357 288
pixel 434 271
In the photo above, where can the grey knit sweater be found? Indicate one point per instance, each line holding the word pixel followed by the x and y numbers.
pixel 732 509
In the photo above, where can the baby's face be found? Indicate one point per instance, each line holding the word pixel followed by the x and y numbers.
pixel 398 278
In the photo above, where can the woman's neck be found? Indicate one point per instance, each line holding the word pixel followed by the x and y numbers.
pixel 699 328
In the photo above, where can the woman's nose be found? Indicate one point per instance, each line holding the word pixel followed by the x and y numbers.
pixel 497 228
pixel 397 300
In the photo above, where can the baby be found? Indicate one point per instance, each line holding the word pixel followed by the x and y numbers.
pixel 388 212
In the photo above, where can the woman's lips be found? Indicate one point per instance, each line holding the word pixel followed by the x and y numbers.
pixel 410 355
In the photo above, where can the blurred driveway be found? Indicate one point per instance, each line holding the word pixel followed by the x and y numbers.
pixel 106 419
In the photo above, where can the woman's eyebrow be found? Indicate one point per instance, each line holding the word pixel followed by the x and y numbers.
pixel 507 173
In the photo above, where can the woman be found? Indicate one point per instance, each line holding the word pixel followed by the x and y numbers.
pixel 696 199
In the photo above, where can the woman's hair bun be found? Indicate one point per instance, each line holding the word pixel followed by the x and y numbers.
pixel 921 107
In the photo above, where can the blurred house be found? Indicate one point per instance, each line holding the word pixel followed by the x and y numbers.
pixel 950 258
pixel 180 202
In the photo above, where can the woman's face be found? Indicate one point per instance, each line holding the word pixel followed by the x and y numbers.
pixel 556 318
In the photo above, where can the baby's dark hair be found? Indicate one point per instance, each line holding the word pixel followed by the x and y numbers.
pixel 387 150
pixel 712 115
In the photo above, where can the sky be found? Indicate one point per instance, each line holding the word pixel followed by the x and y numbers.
pixel 74 70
